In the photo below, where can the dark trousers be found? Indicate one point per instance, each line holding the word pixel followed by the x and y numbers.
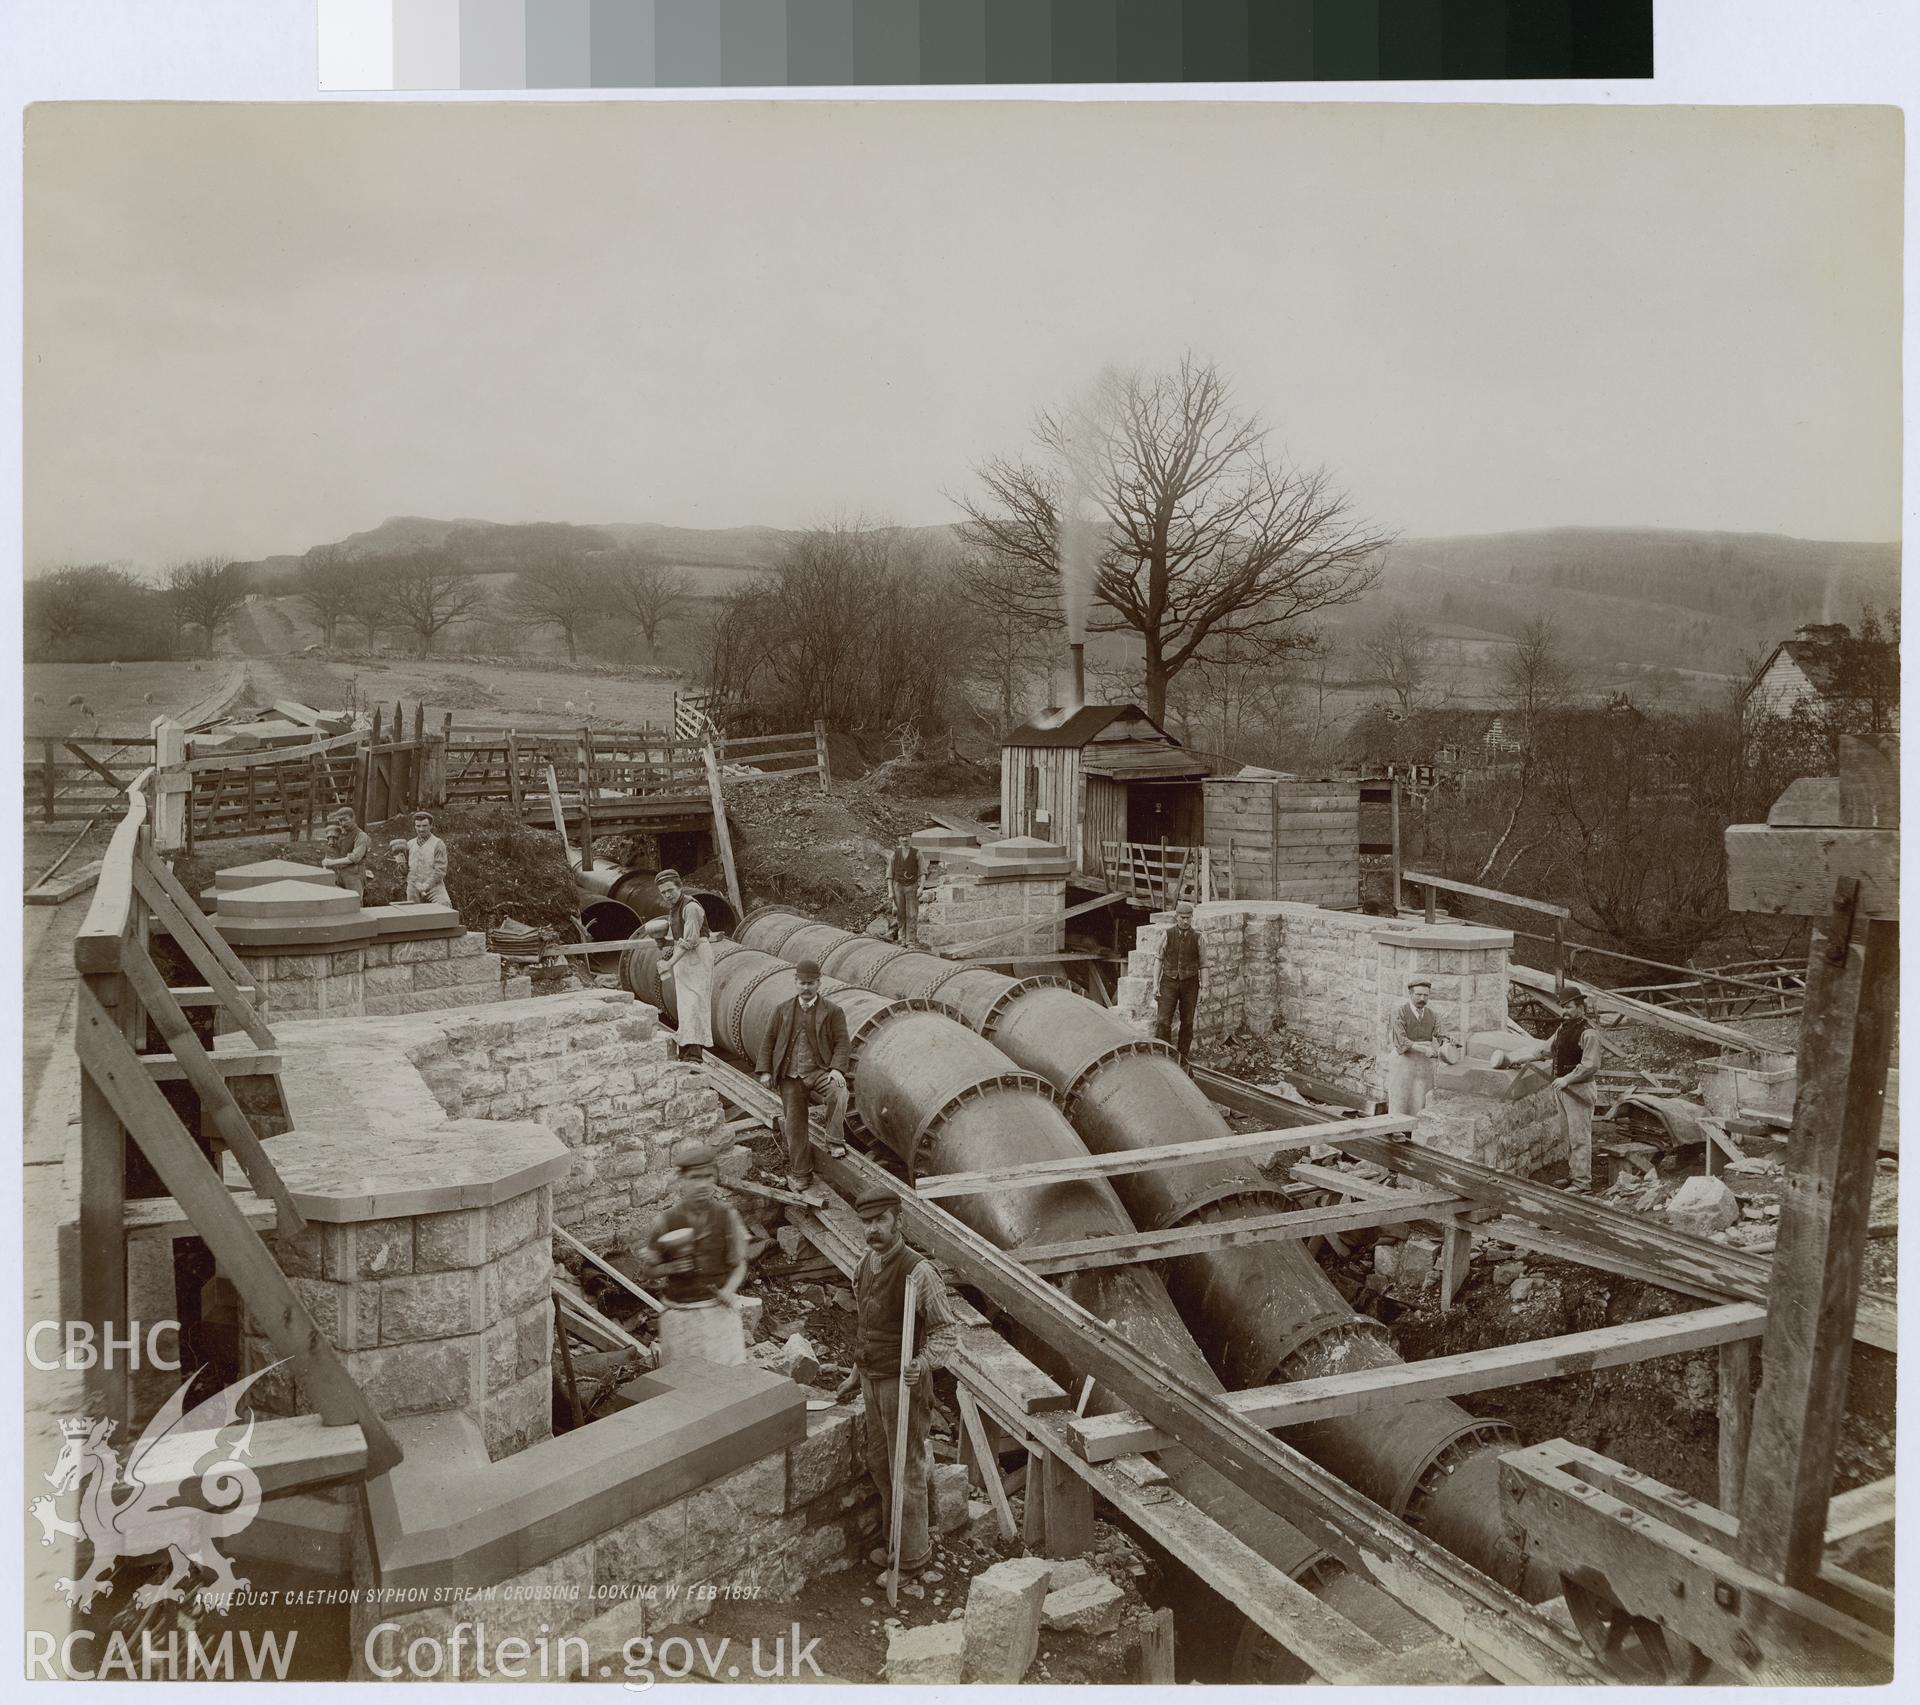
pixel 883 1420
pixel 1180 994
pixel 797 1096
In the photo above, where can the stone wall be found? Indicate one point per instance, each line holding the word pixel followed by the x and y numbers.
pixel 1523 1137
pixel 591 1066
pixel 380 978
pixel 963 905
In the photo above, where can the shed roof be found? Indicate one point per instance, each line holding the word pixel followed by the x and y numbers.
pixel 1125 761
pixel 1082 725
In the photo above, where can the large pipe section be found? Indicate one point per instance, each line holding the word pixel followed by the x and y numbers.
pixel 1264 1312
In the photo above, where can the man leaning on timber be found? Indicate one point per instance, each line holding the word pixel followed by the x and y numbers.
pixel 805 1058
pixel 1179 989
pixel 880 1297
pixel 1414 1042
pixel 1576 1064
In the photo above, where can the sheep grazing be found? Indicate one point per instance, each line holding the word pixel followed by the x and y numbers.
pixel 77 701
pixel 114 663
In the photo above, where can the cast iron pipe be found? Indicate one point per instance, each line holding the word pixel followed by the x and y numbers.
pixel 1263 1312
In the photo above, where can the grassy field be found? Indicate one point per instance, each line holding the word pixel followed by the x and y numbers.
pixel 477 693
pixel 123 698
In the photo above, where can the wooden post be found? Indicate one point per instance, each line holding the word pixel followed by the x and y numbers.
pixel 820 755
pixel 1560 965
pixel 721 834
pixel 1736 1418
pixel 1156 1650
pixel 1456 1251
pixel 1067 1516
pixel 1394 807
pixel 100 1256
pixel 586 798
pixel 513 774
pixel 1431 917
pixel 1033 1516
pixel 172 786
pixel 1846 1039
pixel 48 751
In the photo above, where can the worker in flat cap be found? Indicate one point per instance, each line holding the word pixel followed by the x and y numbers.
pixel 891 1274
pixel 697 1249
pixel 1414 1042
pixel 805 1057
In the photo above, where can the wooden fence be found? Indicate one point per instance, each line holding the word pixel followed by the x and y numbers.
pixel 71 777
pixel 1158 874
pixel 132 1033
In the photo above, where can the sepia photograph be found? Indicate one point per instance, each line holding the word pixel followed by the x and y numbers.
pixel 860 892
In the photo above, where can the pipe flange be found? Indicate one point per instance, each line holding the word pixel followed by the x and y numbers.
pixel 1119 1051
pixel 736 1008
pixel 771 909
pixel 872 1022
pixel 940 978
pixel 930 1125
pixel 1263 1195
pixel 852 941
pixel 1415 1492
pixel 1329 1319
pixel 1007 996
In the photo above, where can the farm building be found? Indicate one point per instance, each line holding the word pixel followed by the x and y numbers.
pixel 1101 780
pixel 1276 837
pixel 1823 665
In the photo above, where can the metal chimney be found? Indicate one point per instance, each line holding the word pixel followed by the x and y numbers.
pixel 1078 696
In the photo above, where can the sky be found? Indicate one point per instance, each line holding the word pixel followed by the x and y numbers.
pixel 255 328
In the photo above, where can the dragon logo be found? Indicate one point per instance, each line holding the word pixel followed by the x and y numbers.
pixel 144 1508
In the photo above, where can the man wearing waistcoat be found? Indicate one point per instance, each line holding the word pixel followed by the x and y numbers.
pixel 903 878
pixel 805 1058
pixel 1576 1062
pixel 879 1297
pixel 698 1247
pixel 1179 990
pixel 1413 1044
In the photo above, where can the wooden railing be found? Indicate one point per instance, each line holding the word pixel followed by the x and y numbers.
pixel 1546 908
pixel 122 998
pixel 1158 874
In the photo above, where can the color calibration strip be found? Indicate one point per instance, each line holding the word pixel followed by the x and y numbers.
pixel 712 44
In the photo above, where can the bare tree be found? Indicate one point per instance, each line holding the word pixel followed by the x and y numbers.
pixel 1536 685
pixel 1011 649
pixel 1401 649
pixel 643 585
pixel 206 592
pixel 429 590
pixel 559 590
pixel 1191 526
pixel 369 597
pixel 77 603
pixel 328 583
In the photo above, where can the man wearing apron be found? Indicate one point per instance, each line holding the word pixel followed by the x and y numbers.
pixel 1576 1062
pixel 1413 1043
pixel 699 1248
pixel 688 960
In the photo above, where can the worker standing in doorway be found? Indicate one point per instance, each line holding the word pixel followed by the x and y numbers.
pixel 1179 990
pixel 1414 1042
pixel 805 1059
pixel 879 1299
pixel 688 959
pixel 426 864
pixel 903 878
pixel 698 1247
pixel 1576 1063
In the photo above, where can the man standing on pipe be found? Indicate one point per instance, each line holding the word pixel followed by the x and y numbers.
pixel 805 1057
pixel 1179 980
pixel 903 879
pixel 1413 1043
pixel 879 1299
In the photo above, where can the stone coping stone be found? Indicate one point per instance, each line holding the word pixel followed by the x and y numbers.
pixel 268 870
pixel 446 1517
pixel 421 919
pixel 295 902
pixel 341 1176
pixel 1445 935
pixel 1023 856
pixel 334 934
pixel 942 841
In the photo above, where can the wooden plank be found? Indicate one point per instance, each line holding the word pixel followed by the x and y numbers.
pixel 1068 1509
pixel 284 1455
pixel 162 1218
pixel 989 1464
pixel 721 834
pixel 97 944
pixel 247 762
pixel 1792 872
pixel 1846 1042
pixel 1735 1411
pixel 1861 1510
pixel 1415 878
pixel 109 1061
pixel 976 949
pixel 1079 1255
pixel 612 1272
pixel 250 1062
pixel 1156 1666
pixel 1509 1636
pixel 1161 1159
pixel 205 951
pixel 1303 1402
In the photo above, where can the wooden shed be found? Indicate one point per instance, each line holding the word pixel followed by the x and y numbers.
pixel 1099 778
pixel 1277 837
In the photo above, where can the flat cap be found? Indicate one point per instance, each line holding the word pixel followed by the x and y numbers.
pixel 1419 982
pixel 690 1152
pixel 875 1199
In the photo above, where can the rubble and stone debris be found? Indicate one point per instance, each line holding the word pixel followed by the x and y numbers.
pixel 1003 1619
pixel 1703 1206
